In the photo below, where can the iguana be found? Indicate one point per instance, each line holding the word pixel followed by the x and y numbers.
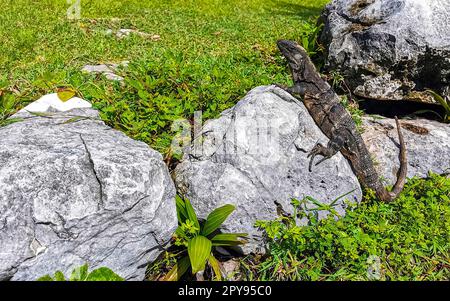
pixel 330 115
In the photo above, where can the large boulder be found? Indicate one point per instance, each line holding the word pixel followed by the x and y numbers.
pixel 427 144
pixel 256 153
pixel 75 191
pixel 390 49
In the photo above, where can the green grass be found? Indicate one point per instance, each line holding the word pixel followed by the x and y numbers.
pixel 409 238
pixel 210 54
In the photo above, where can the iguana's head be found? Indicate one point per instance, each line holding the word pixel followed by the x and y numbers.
pixel 294 54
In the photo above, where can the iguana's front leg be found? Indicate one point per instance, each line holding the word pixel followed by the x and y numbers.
pixel 335 144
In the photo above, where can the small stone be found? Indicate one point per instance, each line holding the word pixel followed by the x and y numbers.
pixel 96 68
pixel 107 70
pixel 231 269
pixel 112 76
pixel 126 32
pixel 155 37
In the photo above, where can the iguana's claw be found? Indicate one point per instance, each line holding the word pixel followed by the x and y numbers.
pixel 317 150
pixel 323 159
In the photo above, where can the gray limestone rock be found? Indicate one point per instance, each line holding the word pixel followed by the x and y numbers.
pixel 256 153
pixel 75 191
pixel 427 145
pixel 390 49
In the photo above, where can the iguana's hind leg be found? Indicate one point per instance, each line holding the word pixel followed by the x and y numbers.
pixel 335 145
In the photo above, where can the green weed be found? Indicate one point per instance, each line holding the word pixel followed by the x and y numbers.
pixel 81 274
pixel 408 239
pixel 194 241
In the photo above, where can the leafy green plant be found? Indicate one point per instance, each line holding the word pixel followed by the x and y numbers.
pixel 445 103
pixel 197 239
pixel 354 110
pixel 7 102
pixel 309 36
pixel 337 79
pixel 81 274
pixel 408 238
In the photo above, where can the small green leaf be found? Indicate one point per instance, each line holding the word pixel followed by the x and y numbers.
pixel 181 210
pixel 45 278
pixel 216 218
pixel 103 274
pixel 59 276
pixel 199 249
pixel 80 273
pixel 191 213
pixel 178 269
pixel 229 239
pixel 438 97
pixel 214 263
pixel 444 102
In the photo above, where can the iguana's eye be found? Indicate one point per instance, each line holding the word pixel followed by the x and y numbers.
pixel 295 66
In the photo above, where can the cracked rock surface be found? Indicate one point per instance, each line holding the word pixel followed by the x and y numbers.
pixel 80 192
pixel 256 153
pixel 390 49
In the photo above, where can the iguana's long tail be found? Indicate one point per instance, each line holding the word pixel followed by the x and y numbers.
pixel 401 176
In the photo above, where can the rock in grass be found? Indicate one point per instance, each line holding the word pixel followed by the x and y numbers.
pixel 390 49
pixel 51 102
pixel 127 32
pixel 427 145
pixel 256 153
pixel 108 70
pixel 75 191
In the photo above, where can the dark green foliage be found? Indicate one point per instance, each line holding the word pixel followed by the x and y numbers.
pixel 194 242
pixel 410 238
pixel 309 40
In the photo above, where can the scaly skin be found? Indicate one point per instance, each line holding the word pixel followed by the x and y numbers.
pixel 336 123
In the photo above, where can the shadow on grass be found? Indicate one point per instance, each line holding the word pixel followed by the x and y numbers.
pixel 287 8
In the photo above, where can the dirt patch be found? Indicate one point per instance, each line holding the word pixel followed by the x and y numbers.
pixel 415 129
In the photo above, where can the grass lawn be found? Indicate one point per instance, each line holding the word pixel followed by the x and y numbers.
pixel 209 55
